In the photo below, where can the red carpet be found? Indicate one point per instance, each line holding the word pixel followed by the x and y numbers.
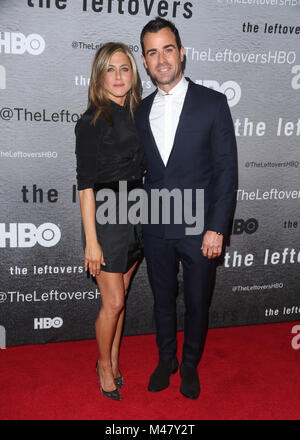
pixel 246 373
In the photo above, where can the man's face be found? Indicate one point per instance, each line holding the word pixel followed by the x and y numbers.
pixel 162 58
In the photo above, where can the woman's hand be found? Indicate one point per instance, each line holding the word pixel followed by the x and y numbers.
pixel 93 258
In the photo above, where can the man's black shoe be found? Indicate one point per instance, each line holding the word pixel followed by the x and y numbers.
pixel 190 385
pixel 159 379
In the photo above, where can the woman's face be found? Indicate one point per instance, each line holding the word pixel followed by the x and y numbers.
pixel 118 78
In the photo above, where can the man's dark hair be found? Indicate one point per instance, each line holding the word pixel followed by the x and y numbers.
pixel 155 26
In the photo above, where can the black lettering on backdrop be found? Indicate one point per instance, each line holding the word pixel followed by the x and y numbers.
pixel 188 10
pixel 133 7
pixel 148 7
pixel 59 4
pixel 36 194
pixel 162 8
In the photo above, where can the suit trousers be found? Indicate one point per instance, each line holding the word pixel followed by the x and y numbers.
pixel 162 258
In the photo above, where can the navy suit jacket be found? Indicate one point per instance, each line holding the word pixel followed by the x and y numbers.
pixel 203 156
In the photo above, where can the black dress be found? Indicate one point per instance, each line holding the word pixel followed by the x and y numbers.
pixel 106 154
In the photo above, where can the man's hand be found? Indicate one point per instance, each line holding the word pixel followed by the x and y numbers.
pixel 212 244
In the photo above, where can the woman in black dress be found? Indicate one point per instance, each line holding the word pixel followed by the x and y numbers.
pixel 108 151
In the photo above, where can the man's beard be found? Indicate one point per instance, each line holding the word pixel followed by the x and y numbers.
pixel 169 80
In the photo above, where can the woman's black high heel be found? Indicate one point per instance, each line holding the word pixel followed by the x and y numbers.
pixel 114 395
pixel 119 381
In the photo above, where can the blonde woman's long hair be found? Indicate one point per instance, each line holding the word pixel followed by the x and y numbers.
pixel 98 98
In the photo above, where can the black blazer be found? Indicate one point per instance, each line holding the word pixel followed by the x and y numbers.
pixel 203 156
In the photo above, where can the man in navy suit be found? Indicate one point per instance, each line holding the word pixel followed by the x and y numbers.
pixel 189 142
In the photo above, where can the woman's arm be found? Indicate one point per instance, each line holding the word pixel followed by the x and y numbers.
pixel 93 257
pixel 87 144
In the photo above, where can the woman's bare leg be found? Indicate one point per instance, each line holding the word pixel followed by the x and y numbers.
pixel 117 339
pixel 111 286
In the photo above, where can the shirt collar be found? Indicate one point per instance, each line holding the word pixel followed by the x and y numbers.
pixel 178 90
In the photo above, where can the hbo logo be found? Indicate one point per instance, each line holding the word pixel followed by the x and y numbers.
pixel 231 89
pixel 17 43
pixel 249 226
pixel 27 235
pixel 43 323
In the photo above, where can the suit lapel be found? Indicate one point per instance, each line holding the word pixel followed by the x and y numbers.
pixel 154 145
pixel 183 113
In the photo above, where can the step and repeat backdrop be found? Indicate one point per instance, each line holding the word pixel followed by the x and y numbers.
pixel 246 49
